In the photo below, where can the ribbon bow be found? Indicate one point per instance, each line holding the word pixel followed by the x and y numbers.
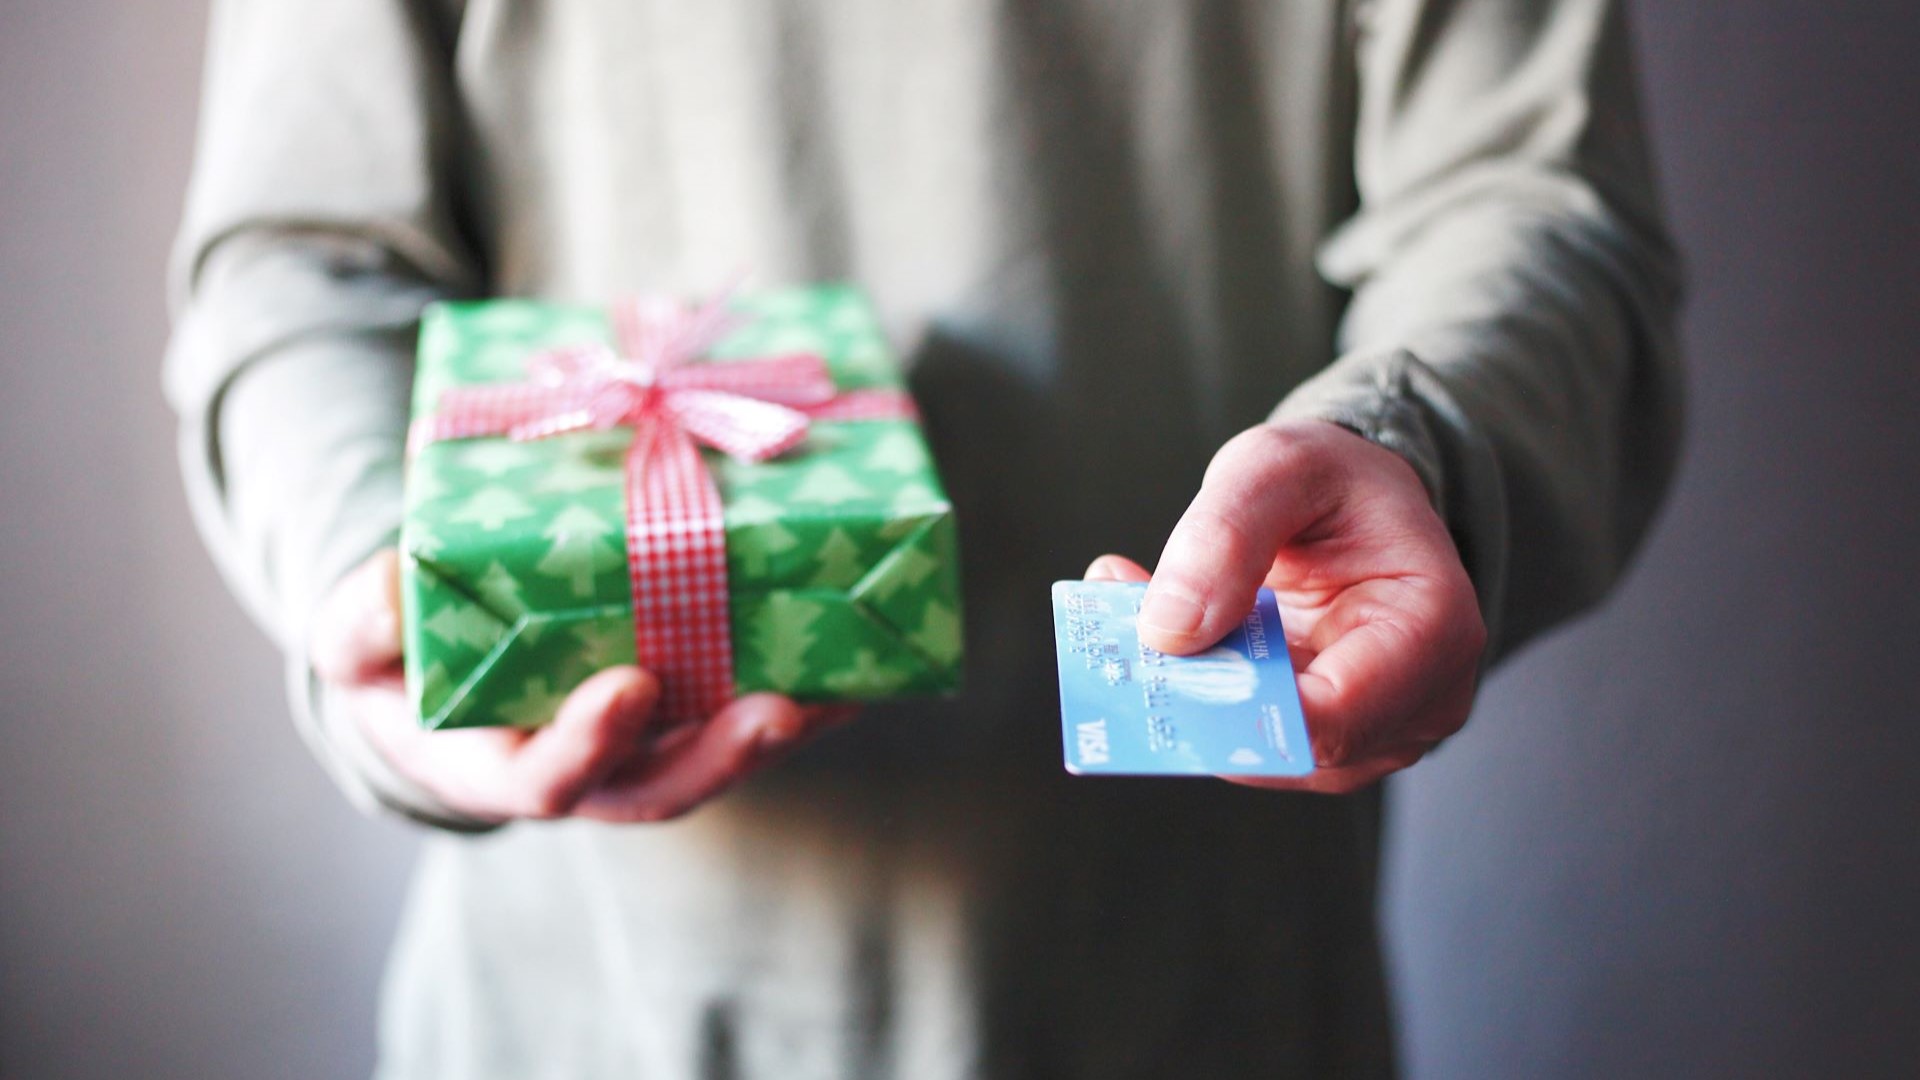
pixel 751 409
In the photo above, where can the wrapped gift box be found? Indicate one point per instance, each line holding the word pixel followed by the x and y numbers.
pixel 840 553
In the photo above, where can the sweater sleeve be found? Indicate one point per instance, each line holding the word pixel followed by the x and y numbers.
pixel 318 224
pixel 1511 331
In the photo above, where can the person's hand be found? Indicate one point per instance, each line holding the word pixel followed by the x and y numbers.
pixel 602 756
pixel 1381 619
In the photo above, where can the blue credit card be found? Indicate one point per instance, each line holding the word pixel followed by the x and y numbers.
pixel 1127 710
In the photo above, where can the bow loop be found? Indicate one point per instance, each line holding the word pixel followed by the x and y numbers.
pixel 751 409
pixel 567 364
pixel 796 379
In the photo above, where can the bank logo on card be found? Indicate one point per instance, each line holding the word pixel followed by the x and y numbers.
pixel 1127 710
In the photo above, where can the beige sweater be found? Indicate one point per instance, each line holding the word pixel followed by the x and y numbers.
pixel 1106 235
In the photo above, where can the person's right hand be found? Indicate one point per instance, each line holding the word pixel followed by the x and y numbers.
pixel 601 757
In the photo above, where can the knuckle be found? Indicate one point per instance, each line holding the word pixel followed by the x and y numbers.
pixel 1217 532
pixel 1473 645
pixel 1299 455
pixel 1237 453
pixel 1260 449
pixel 1459 626
pixel 1339 749
pixel 1345 783
pixel 1475 637
pixel 1449 718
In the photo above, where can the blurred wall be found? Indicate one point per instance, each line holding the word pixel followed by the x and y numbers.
pixel 1677 840
pixel 181 893
pixel 1683 839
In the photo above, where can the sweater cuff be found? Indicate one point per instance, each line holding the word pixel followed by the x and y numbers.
pixel 1372 397
pixel 1391 399
pixel 357 767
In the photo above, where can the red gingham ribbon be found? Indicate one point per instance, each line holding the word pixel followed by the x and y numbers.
pixel 751 409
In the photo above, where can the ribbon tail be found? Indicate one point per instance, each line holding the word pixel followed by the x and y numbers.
pixel 677 564
pixel 866 405
pixel 744 429
pixel 469 412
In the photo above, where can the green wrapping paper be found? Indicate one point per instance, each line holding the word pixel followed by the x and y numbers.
pixel 841 555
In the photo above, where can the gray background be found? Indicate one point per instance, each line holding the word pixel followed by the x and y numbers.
pixel 1679 839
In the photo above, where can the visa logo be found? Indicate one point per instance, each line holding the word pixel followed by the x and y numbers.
pixel 1092 737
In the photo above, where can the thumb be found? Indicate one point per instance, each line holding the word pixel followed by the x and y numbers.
pixel 356 631
pixel 1264 487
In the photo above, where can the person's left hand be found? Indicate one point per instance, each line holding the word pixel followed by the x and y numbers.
pixel 1381 619
pixel 602 756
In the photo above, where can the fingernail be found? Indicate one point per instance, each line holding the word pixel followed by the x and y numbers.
pixel 1171 612
pixel 778 732
pixel 622 702
pixel 634 701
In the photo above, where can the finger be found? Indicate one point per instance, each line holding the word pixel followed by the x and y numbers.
pixel 598 728
pixel 1115 568
pixel 1264 488
pixel 356 632
pixel 1390 679
pixel 1342 780
pixel 728 747
pixel 460 767
pixel 818 718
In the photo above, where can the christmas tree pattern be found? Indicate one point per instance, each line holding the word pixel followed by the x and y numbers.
pixel 418 542
pixel 916 498
pixel 905 525
pixel 865 676
pixel 910 567
pixel 464 626
pixel 769 541
pixel 752 509
pixel 831 320
pixel 828 483
pixel 867 361
pixel 507 319
pixel 782 635
pixel 500 591
pixel 797 338
pixel 491 458
pixel 899 451
pixel 939 633
pixel 491 508
pixel 580 472
pixel 837 564
pixel 432 687
pixel 500 360
pixel 848 319
pixel 602 643
pixel 583 546
pixel 785 306
pixel 427 483
pixel 536 704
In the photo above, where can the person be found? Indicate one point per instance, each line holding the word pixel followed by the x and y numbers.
pixel 1368 301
